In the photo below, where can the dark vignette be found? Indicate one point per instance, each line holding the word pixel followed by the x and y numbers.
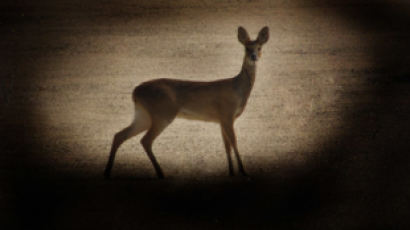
pixel 359 179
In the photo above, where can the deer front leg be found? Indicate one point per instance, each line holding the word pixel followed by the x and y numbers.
pixel 230 133
pixel 228 151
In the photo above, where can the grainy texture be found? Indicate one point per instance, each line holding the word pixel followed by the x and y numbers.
pixel 325 134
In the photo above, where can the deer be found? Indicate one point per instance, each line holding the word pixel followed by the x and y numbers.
pixel 158 102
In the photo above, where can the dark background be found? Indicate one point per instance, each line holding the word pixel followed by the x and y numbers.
pixel 354 176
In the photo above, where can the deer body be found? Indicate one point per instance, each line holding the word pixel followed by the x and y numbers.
pixel 195 100
pixel 158 102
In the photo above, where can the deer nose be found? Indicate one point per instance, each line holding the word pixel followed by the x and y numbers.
pixel 254 57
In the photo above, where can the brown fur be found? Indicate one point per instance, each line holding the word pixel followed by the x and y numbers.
pixel 160 101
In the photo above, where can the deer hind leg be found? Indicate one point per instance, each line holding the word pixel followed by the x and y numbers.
pixel 140 123
pixel 228 152
pixel 158 125
pixel 228 129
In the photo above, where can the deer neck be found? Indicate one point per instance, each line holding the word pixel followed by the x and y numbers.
pixel 248 71
pixel 246 79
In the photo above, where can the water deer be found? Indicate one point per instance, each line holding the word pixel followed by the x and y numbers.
pixel 158 102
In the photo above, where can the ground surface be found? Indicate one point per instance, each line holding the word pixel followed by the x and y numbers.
pixel 324 136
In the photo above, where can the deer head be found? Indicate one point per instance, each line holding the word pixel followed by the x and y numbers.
pixel 253 48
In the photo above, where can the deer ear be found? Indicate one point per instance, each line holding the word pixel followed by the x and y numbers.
pixel 263 35
pixel 243 36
